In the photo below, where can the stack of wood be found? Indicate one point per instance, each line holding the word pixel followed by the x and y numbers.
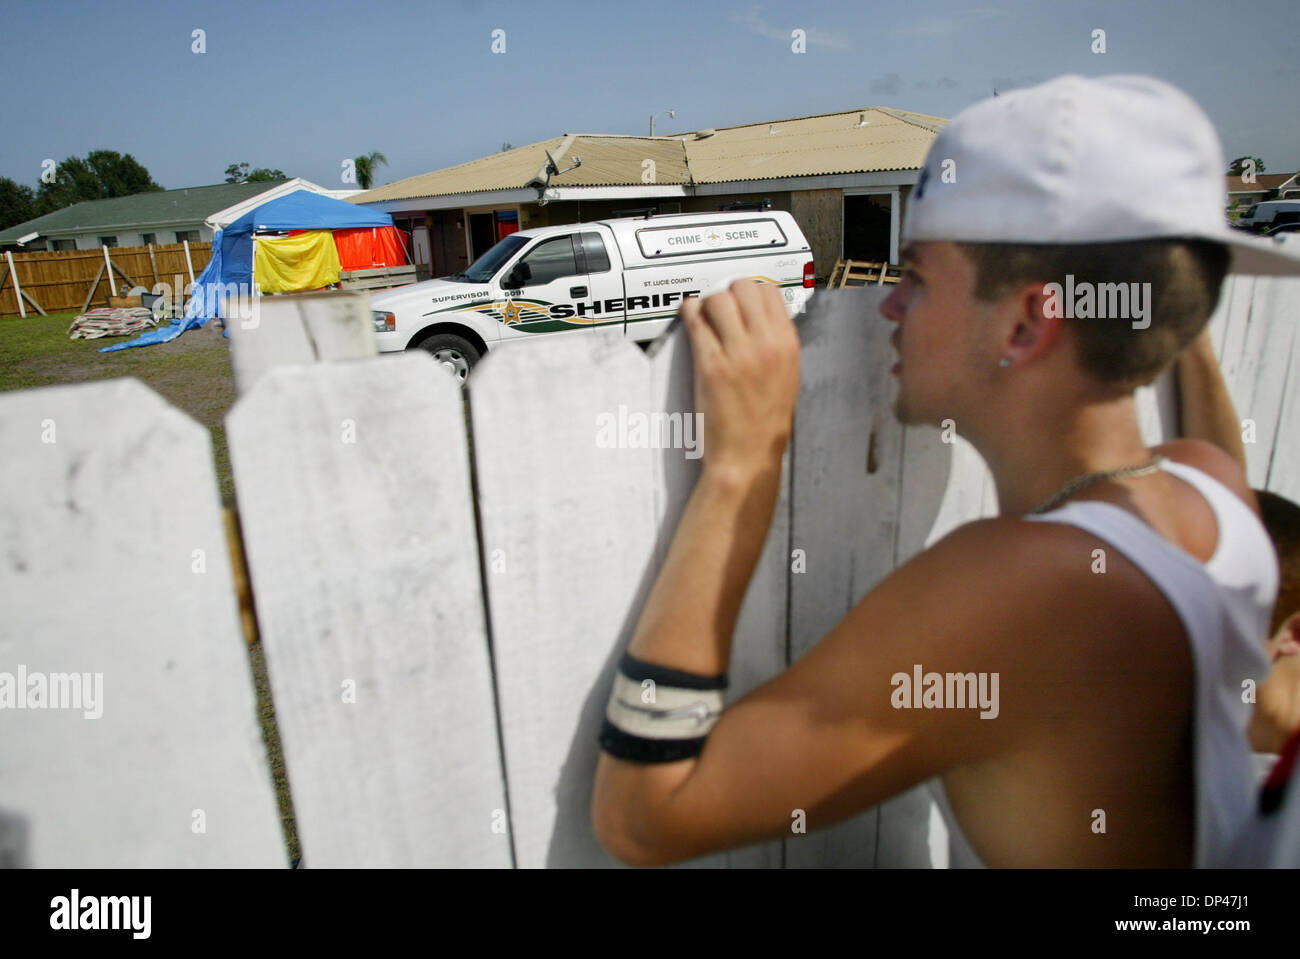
pixel 863 273
pixel 379 278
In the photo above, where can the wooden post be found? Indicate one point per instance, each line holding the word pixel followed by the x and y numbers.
pixel 130 280
pixel 112 283
pixel 239 567
pixel 32 300
pixel 93 287
pixel 22 310
pixel 188 262
pixel 153 262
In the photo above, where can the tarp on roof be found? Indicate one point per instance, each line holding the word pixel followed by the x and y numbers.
pixel 304 210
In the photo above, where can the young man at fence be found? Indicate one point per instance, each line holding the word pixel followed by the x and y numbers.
pixel 1118 735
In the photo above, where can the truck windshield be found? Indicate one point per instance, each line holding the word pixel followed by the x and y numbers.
pixel 486 266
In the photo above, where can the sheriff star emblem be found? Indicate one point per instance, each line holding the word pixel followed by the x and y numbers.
pixel 511 311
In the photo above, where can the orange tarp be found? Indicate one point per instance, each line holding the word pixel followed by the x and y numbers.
pixel 368 247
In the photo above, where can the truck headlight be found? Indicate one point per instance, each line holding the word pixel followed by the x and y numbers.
pixel 384 322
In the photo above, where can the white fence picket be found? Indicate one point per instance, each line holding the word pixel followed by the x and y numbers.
pixel 354 491
pixel 847 469
pixel 569 537
pixel 1272 339
pixel 1283 476
pixel 115 562
pixel 299 329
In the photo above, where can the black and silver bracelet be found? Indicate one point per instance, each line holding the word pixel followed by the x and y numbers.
pixel 659 715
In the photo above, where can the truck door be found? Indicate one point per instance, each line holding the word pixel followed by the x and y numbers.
pixel 543 289
pixel 606 280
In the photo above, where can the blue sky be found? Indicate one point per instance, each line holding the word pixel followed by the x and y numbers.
pixel 282 87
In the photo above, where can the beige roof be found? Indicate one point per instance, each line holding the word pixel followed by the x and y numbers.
pixel 799 146
pixel 813 146
pixel 606 161
pixel 1263 182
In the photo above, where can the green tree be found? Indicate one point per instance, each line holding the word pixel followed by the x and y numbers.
pixel 1235 168
pixel 17 202
pixel 101 175
pixel 240 173
pixel 365 167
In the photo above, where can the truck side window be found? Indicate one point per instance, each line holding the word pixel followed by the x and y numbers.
pixel 593 247
pixel 551 259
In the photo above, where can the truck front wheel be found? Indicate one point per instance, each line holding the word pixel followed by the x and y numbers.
pixel 454 353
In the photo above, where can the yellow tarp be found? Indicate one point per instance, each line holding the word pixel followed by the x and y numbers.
pixel 307 261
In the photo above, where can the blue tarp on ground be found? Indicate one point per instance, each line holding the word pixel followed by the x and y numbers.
pixel 232 254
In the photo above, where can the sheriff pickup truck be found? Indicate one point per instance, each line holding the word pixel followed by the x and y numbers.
pixel 629 275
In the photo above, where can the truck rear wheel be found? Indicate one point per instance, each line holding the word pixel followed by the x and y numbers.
pixel 455 354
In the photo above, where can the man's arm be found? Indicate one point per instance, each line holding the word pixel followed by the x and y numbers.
pixel 825 735
pixel 1205 405
pixel 836 733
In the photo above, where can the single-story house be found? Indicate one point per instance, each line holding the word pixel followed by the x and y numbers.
pixel 844 176
pixel 1267 186
pixel 163 216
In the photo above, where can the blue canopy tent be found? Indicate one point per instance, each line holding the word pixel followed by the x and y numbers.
pixel 232 254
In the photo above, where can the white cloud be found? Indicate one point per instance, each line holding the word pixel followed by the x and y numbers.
pixel 816 38
pixel 934 27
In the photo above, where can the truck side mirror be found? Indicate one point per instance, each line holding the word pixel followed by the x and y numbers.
pixel 518 276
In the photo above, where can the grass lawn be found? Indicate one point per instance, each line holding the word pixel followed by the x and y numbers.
pixel 193 373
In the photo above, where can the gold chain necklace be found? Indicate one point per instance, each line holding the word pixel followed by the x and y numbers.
pixel 1087 479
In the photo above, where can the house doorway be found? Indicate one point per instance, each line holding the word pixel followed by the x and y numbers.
pixel 868 227
pixel 482 234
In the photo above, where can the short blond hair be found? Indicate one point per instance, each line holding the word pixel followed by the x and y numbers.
pixel 1186 277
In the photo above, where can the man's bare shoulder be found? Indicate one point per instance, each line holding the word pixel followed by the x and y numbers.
pixel 1056 600
pixel 1052 581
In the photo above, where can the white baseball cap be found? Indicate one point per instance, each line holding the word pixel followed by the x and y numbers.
pixel 1083 160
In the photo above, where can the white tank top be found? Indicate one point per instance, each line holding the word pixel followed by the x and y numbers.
pixel 1225 605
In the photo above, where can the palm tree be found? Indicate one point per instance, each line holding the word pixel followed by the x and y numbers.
pixel 365 166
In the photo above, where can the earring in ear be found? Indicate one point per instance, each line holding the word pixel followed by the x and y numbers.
pixel 1004 362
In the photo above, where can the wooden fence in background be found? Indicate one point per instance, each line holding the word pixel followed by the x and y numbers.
pixel 62 280
pixel 438 680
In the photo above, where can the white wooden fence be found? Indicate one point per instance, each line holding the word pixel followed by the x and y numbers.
pixel 441 614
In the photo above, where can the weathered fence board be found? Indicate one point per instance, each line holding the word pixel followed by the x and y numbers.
pixel 296 330
pixel 1283 476
pixel 847 470
pixel 1262 384
pixel 354 490
pixel 100 578
pixel 568 534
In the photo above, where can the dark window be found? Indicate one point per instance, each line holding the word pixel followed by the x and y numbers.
pixel 551 259
pixel 191 235
pixel 147 238
pixel 486 266
pixel 108 241
pixel 593 250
